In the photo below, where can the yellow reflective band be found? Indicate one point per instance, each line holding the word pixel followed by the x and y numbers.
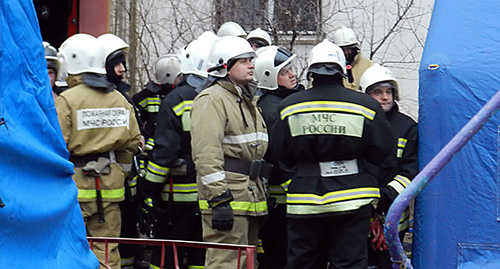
pixel 403 180
pixel 186 121
pixel 404 222
pixel 152 266
pixel 182 106
pixel 332 197
pixel 402 142
pixel 276 189
pixel 399 153
pixel 157 169
pixel 127 261
pixel 335 207
pixel 240 206
pixel 316 123
pixel 180 197
pixel 106 194
pixel 286 184
pixel 150 101
pixel 188 187
pixel 196 267
pixel 332 106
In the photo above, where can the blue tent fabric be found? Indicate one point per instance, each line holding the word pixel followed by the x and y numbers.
pixel 459 73
pixel 41 225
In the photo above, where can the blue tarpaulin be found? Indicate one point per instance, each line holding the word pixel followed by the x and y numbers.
pixel 41 225
pixel 457 218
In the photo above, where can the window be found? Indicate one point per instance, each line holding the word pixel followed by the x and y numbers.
pixel 282 16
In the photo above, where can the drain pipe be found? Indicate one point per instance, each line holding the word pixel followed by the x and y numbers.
pixel 399 258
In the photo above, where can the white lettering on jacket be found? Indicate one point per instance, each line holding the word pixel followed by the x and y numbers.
pixel 93 118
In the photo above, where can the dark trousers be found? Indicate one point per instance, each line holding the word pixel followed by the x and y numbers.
pixel 185 225
pixel 339 239
pixel 273 234
pixel 128 210
pixel 381 259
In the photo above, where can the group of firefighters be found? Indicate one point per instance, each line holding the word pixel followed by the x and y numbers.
pixel 224 145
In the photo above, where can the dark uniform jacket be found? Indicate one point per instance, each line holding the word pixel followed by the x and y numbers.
pixel 328 132
pixel 173 142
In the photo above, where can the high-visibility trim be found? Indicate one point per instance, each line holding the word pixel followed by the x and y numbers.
pixel 399 153
pixel 334 207
pixel 152 266
pixel 332 197
pixel 182 106
pixel 245 138
pixel 129 261
pixel 214 177
pixel 180 197
pixel 286 184
pixel 402 142
pixel 106 194
pixel 155 178
pixel 148 201
pixel 151 104
pixel 132 182
pixel 314 106
pixel 258 207
pixel 331 123
pixel 182 188
pixel 196 267
pixel 276 189
pixel 186 121
pixel 149 144
pixel 399 183
pixel 280 199
pixel 157 169
pixel 404 222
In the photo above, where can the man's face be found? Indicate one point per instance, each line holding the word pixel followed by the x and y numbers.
pixel 383 95
pixel 52 76
pixel 120 70
pixel 287 78
pixel 349 52
pixel 242 72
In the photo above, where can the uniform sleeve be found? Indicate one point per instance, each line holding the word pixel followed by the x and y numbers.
pixel 379 137
pixel 208 120
pixel 280 140
pixel 124 155
pixel 64 117
pixel 167 140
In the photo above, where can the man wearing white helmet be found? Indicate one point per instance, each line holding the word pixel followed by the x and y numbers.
pixel 276 78
pixel 356 63
pixel 334 131
pixel 397 171
pixel 229 140
pixel 167 74
pixel 231 28
pixel 102 134
pixel 259 38
pixel 53 67
pixel 171 174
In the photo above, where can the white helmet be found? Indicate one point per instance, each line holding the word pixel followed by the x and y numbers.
pixel 270 60
pixel 51 57
pixel 167 68
pixel 376 76
pixel 194 56
pixel 111 43
pixel 82 54
pixel 326 53
pixel 261 35
pixel 225 49
pixel 231 28
pixel 345 37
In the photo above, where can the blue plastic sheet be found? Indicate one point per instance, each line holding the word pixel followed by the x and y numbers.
pixel 41 225
pixel 459 73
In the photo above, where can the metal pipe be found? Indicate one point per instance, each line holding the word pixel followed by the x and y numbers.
pixel 399 258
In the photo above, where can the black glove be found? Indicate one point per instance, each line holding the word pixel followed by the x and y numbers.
pixel 147 219
pixel 222 218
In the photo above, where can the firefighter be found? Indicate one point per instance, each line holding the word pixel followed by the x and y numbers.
pixel 98 124
pixel 397 171
pixel 328 132
pixel 276 78
pixel 167 74
pixel 231 28
pixel 356 63
pixel 229 140
pixel 171 174
pixel 53 67
pixel 259 38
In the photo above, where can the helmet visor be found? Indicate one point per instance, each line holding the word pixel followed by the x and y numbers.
pixel 281 56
